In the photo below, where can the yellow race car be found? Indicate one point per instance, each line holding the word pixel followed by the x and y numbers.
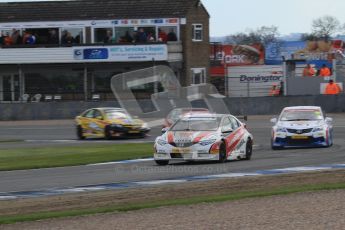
pixel 108 123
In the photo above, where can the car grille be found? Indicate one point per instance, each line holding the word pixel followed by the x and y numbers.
pixel 182 144
pixel 299 131
pixel 290 141
pixel 310 140
pixel 176 155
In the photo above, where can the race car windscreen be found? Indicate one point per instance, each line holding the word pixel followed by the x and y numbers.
pixel 301 115
pixel 199 124
pixel 176 114
pixel 114 114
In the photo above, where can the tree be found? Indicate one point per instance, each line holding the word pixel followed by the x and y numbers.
pixel 263 35
pixel 324 27
pixel 268 34
pixel 309 37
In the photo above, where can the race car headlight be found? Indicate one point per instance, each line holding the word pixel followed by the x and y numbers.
pixel 144 126
pixel 318 129
pixel 207 142
pixel 162 142
pixel 281 130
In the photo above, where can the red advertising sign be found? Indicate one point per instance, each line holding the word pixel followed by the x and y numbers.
pixel 235 55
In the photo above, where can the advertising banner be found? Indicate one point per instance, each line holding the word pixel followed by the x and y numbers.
pixel 253 81
pixel 235 55
pixel 277 51
pixel 123 53
pixel 313 52
pixel 92 23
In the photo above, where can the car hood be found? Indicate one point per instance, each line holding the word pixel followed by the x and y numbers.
pixel 300 124
pixel 125 121
pixel 187 136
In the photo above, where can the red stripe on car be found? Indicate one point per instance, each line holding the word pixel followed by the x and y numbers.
pixel 170 137
pixel 200 136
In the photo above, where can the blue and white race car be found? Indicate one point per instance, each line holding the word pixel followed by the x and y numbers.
pixel 302 126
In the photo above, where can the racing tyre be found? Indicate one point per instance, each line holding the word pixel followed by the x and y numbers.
pixel 107 133
pixel 274 147
pixel 80 133
pixel 222 153
pixel 249 149
pixel 162 162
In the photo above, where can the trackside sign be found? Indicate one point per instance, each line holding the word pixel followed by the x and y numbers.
pixel 122 53
pixel 257 79
pixel 253 81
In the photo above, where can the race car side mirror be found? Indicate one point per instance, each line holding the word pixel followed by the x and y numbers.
pixel 164 130
pixel 329 120
pixel 274 120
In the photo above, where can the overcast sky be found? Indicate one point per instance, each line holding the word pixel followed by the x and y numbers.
pixel 230 16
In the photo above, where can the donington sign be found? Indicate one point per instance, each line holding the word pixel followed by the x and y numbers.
pixel 253 81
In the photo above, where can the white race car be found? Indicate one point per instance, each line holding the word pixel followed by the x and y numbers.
pixel 302 126
pixel 204 137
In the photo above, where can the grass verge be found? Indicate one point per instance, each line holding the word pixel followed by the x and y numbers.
pixel 171 202
pixel 47 157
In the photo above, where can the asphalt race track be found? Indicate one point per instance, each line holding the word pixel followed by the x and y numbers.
pixel 51 133
pixel 263 157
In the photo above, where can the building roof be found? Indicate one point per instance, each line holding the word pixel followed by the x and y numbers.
pixel 94 10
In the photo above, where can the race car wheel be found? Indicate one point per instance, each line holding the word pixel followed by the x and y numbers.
pixel 249 149
pixel 107 133
pixel 162 162
pixel 274 147
pixel 222 153
pixel 80 133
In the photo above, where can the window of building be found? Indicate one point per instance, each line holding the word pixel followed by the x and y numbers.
pixel 101 81
pixel 197 32
pixel 10 37
pixel 124 34
pixel 41 36
pixel 6 32
pixel 198 75
pixel 67 83
pixel 146 34
pixel 167 33
pixel 72 36
pixel 104 35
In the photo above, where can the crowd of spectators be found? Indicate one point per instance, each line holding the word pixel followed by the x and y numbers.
pixel 40 36
pixel 52 36
pixel 13 39
pixel 142 36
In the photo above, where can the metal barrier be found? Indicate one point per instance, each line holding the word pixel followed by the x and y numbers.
pixel 15 97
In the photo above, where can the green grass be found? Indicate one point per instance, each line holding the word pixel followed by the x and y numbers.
pixel 171 202
pixel 47 157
